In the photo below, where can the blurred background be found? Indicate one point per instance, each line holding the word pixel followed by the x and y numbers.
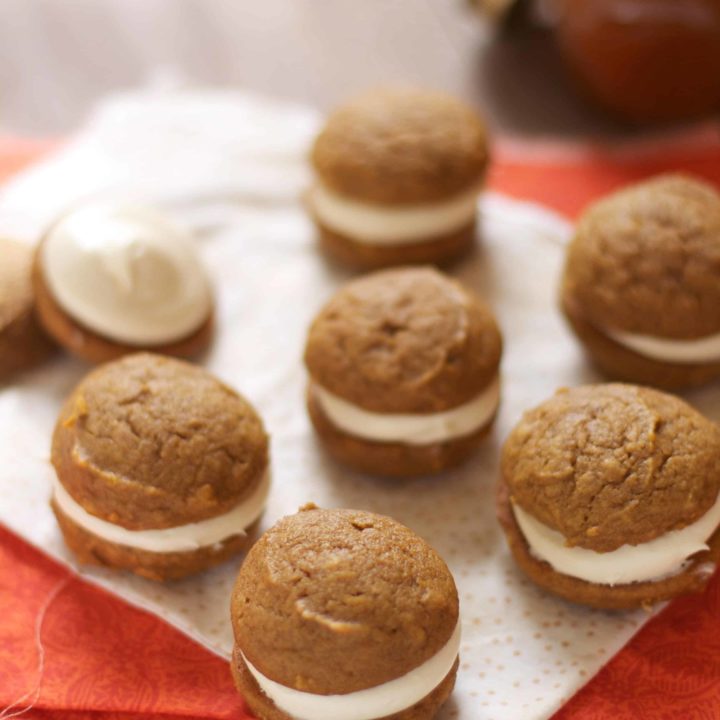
pixel 59 56
pixel 645 59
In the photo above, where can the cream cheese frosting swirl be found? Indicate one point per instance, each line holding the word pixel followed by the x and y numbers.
pixel 126 272
pixel 412 429
pixel 375 702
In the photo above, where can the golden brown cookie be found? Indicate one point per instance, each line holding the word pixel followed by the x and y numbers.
pixel 112 279
pixel 161 468
pixel 609 495
pixel 23 344
pixel 403 369
pixel 329 603
pixel 639 286
pixel 397 170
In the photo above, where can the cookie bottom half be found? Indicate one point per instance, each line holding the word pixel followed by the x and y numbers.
pixel 392 459
pixel 621 363
pixel 265 709
pixel 90 549
pixel 692 579
pixel 367 256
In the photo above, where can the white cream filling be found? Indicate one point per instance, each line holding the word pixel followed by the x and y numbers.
pixel 413 429
pixel 128 273
pixel 703 350
pixel 375 224
pixel 181 538
pixel 375 702
pixel 653 560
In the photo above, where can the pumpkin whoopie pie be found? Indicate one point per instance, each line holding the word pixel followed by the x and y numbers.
pixel 397 178
pixel 161 469
pixel 113 278
pixel 347 615
pixel 403 369
pixel 23 344
pixel 640 286
pixel 609 495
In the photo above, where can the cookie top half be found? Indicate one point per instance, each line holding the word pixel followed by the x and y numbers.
pixel 646 260
pixel 151 442
pixel 609 465
pixel 335 601
pixel 401 146
pixel 410 340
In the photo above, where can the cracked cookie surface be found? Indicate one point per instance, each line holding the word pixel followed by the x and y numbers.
pixel 151 442
pixel 334 601
pixel 410 340
pixel 608 465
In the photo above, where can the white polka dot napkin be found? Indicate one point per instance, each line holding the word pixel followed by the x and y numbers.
pixel 233 167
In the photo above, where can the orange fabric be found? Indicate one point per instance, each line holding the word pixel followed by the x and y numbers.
pixel 106 660
pixel 567 177
pixel 16 153
pixel 670 669
pixel 101 655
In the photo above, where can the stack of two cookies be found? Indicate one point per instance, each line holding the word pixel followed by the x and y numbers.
pixel 161 468
pixel 404 373
pixel 610 494
pixel 397 179
pixel 403 363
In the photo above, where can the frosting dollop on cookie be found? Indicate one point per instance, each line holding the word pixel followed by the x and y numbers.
pixel 127 272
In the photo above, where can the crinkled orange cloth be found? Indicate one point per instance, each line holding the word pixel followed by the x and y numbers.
pixel 103 659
